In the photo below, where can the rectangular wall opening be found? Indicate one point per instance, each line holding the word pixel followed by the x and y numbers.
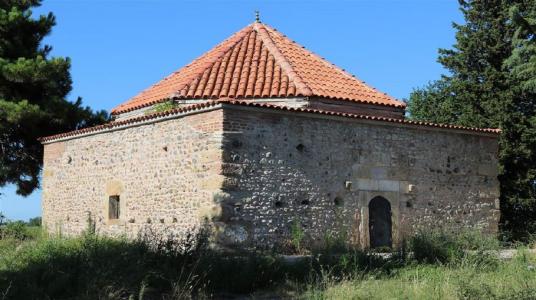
pixel 113 207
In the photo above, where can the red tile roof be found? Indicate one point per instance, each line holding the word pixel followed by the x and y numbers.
pixel 258 62
pixel 209 104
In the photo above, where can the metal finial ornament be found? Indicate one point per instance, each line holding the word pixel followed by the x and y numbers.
pixel 257 17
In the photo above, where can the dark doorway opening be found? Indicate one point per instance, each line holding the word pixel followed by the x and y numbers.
pixel 380 225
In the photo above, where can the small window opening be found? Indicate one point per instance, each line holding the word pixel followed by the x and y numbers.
pixel 305 202
pixel 300 147
pixel 278 204
pixel 113 207
pixel 338 201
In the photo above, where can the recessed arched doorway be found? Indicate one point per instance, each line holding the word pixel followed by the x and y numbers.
pixel 380 224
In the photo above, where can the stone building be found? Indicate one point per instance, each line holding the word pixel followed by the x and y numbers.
pixel 258 136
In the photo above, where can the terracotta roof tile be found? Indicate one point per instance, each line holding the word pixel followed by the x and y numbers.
pixel 208 104
pixel 258 62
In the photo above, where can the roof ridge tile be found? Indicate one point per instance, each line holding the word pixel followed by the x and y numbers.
pixel 259 61
pixel 301 87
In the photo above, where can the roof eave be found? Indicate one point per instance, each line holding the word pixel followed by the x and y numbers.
pixel 209 105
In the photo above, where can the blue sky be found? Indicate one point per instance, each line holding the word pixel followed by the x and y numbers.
pixel 118 48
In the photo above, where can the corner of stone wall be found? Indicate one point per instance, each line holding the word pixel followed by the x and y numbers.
pixel 230 232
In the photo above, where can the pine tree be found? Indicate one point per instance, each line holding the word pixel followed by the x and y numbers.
pixel 33 90
pixel 481 91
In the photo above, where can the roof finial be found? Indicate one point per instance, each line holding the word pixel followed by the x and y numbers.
pixel 257 17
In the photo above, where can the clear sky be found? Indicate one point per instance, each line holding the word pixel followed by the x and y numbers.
pixel 118 48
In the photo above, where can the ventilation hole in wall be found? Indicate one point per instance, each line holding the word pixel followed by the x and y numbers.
pixel 69 160
pixel 409 204
pixel 278 204
pixel 174 220
pixel 236 143
pixel 237 209
pixel 68 218
pixel 338 201
pixel 131 220
pixel 305 202
pixel 165 148
pixel 430 203
pixel 162 221
pixel 148 220
pixel 300 147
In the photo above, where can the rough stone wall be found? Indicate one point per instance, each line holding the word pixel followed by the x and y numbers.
pixel 254 172
pixel 322 172
pixel 166 174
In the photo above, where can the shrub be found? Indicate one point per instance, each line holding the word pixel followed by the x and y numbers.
pixel 36 222
pixel 435 247
pixel 441 246
pixel 15 230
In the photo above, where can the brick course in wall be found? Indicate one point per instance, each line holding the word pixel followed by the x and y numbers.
pixel 253 171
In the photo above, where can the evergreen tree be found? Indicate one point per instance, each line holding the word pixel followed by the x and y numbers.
pixel 519 156
pixel 522 62
pixel 480 91
pixel 33 90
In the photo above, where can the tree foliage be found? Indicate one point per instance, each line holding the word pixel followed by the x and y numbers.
pixel 522 62
pixel 490 83
pixel 33 90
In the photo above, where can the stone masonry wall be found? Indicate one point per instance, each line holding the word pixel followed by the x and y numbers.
pixel 254 172
pixel 166 174
pixel 321 172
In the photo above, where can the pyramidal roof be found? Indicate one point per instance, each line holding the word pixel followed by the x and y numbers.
pixel 258 62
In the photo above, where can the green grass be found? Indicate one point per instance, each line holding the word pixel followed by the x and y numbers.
pixel 432 265
pixel 506 280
